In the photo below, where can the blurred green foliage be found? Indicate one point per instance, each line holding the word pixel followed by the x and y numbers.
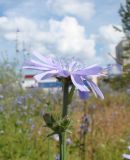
pixel 125 17
pixel 23 135
pixel 120 82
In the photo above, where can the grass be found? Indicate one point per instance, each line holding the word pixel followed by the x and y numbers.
pixel 23 135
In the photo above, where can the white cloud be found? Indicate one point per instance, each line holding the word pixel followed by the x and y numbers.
pixel 30 32
pixel 82 9
pixel 11 24
pixel 109 37
pixel 65 37
pixel 109 34
pixel 61 37
pixel 55 26
pixel 70 37
pixel 79 8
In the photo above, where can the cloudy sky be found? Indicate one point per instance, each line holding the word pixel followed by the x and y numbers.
pixel 64 28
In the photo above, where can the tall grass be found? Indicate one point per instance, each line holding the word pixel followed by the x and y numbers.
pixel 23 135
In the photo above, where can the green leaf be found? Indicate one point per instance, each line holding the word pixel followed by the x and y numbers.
pixel 71 93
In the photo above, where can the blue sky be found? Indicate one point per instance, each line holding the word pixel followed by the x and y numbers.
pixel 79 28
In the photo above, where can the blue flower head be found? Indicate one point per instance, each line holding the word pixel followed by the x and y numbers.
pixel 79 77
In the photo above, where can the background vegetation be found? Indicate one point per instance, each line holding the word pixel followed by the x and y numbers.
pixel 100 129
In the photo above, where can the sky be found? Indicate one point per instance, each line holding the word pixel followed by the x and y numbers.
pixel 61 28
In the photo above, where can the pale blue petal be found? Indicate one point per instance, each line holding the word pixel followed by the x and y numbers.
pixel 45 75
pixel 83 95
pixel 36 63
pixel 46 60
pixel 72 65
pixel 35 68
pixel 91 70
pixel 77 81
pixel 63 73
pixel 95 89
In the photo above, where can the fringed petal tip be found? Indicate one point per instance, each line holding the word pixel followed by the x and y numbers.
pixel 90 71
pixel 94 88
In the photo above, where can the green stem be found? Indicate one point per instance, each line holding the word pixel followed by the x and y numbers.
pixel 62 146
pixel 65 98
pixel 62 136
pixel 49 149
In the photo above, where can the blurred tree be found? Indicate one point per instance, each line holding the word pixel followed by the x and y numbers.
pixel 125 17
pixel 124 12
pixel 123 81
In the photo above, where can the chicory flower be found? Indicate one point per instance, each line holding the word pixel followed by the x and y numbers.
pixel 126 156
pixel 79 77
